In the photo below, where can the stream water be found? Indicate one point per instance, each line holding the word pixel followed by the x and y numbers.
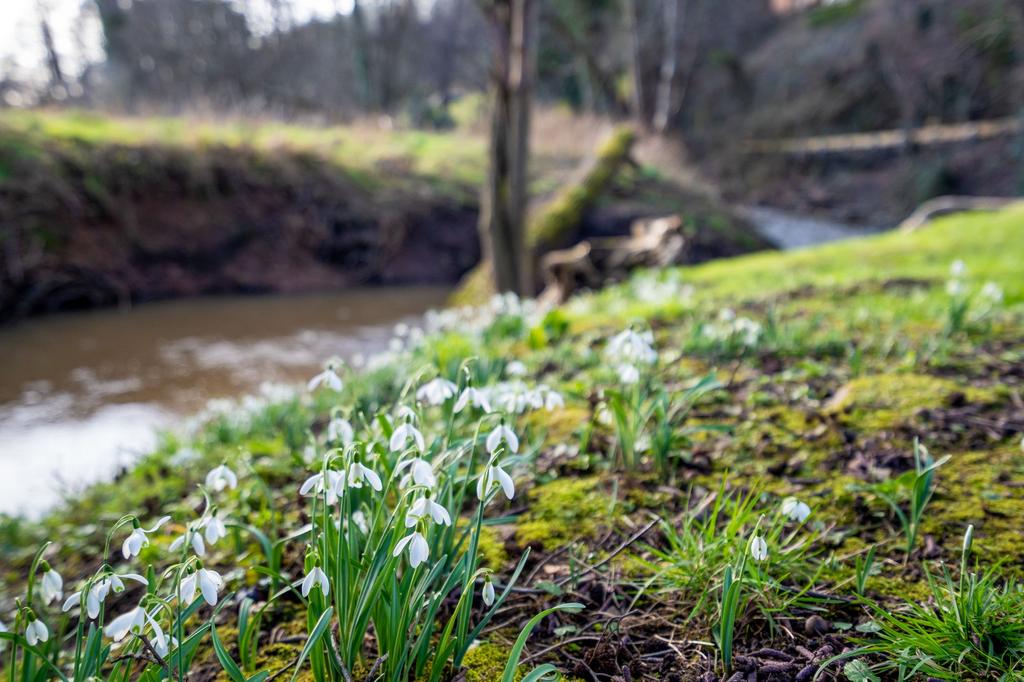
pixel 84 393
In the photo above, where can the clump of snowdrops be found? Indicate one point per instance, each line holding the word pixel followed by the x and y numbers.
pixel 155 627
pixel 966 304
pixel 391 574
pixel 649 420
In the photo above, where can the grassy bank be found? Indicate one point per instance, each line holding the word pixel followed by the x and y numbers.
pixel 454 160
pixel 820 441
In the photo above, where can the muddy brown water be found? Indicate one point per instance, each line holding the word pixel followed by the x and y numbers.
pixel 82 394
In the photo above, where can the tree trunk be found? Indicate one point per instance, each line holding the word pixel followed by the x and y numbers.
pixel 636 62
pixel 503 205
pixel 361 57
pixel 669 61
pixel 57 81
pixel 554 224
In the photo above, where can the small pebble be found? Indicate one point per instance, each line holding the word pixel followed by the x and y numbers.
pixel 815 626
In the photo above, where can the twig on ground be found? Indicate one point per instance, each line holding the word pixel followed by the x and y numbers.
pixel 636 536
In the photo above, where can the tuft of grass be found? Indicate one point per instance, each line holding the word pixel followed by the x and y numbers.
pixel 973 629
pixel 700 555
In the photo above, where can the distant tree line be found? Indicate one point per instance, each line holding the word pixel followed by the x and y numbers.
pixel 706 67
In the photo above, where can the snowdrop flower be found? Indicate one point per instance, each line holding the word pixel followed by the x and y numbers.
pixel 553 400
pixel 359 518
pixel 73 600
pixel 495 475
pixel 992 292
pixel 138 539
pixel 419 550
pixel 318 484
pixel 357 473
pixel 193 537
pixel 3 626
pixel 488 592
pixel 316 576
pixel 329 378
pixel 402 435
pixel 502 433
pixel 628 374
pixel 955 287
pixel 958 268
pixel 423 507
pixel 340 430
pixel 52 585
pixel 159 640
pixel 99 591
pixel 221 477
pixel 406 413
pixel 135 621
pixel 515 369
pixel 209 583
pixel 420 471
pixel 472 396
pixel 215 529
pixel 436 391
pixel 758 548
pixel 36 631
pixel 130 621
pixel 748 331
pixel 632 346
pixel 515 397
pixel 795 510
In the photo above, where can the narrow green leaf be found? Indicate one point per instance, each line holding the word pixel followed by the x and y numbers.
pixel 517 649
pixel 539 672
pixel 226 662
pixel 318 631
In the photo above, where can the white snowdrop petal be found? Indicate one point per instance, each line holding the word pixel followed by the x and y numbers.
pixel 401 545
pixel 508 486
pixel 419 551
pixel 758 548
pixel 307 584
pixel 75 599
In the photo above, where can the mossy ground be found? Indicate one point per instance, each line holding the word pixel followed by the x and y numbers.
pixel 855 360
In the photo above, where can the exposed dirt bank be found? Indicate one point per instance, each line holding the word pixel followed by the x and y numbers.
pixel 94 225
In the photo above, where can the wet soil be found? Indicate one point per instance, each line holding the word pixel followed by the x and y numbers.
pixel 113 225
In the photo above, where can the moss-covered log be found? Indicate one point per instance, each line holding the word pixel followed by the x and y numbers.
pixel 553 223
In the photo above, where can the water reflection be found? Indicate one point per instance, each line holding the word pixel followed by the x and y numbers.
pixel 82 394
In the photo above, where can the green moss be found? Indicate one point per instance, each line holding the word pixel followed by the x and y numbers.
pixel 882 401
pixel 559 425
pixel 898 588
pixel 972 489
pixel 273 657
pixel 563 511
pixel 492 549
pixel 486 662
